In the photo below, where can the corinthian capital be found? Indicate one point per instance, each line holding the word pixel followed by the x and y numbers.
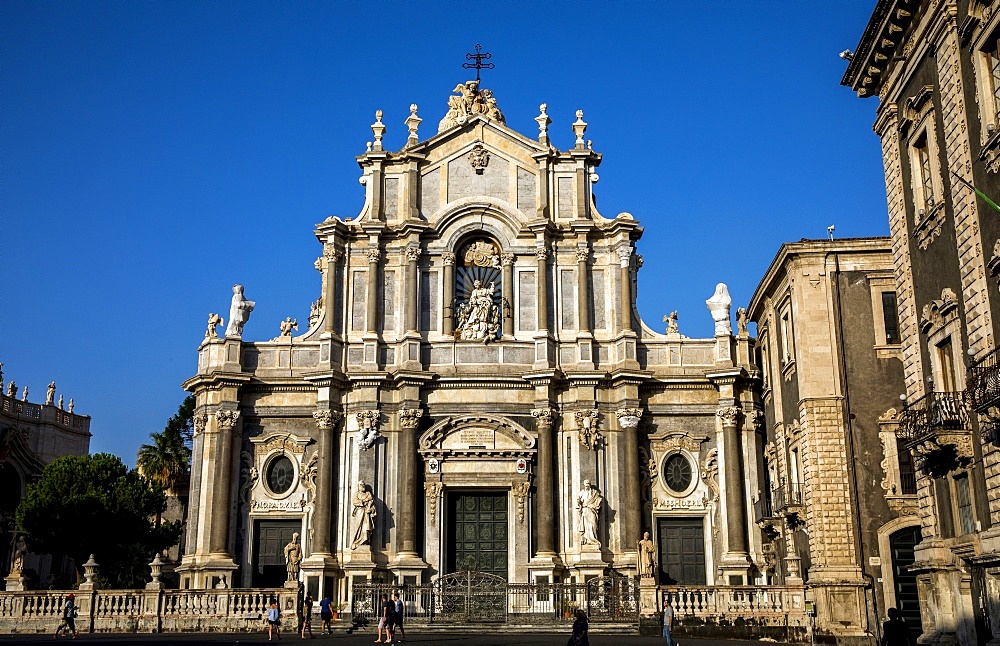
pixel 448 258
pixel 325 419
pixel 199 423
pixel 413 254
pixel 506 259
pixel 227 419
pixel 410 417
pixel 729 415
pixel 374 254
pixel 582 255
pixel 331 253
pixel 541 253
pixel 624 253
pixel 544 417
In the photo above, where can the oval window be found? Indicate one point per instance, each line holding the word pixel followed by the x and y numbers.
pixel 280 475
pixel 677 473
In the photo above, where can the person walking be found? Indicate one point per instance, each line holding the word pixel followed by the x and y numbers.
pixel 398 617
pixel 895 631
pixel 668 623
pixel 273 620
pixel 307 609
pixel 68 617
pixel 387 610
pixel 325 614
pixel 580 627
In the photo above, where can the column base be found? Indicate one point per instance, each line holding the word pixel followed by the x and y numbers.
pixel 547 564
pixel 735 569
pixel 409 568
pixel 590 562
pixel 206 572
pixel 626 355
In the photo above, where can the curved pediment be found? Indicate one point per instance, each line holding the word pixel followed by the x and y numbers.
pixel 477 434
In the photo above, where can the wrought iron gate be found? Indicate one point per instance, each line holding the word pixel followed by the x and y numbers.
pixel 468 596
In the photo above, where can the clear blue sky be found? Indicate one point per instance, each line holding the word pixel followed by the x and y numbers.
pixel 154 153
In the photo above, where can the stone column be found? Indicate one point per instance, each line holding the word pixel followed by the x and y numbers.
pixel 412 255
pixel 225 426
pixel 624 255
pixel 409 420
pixel 736 513
pixel 332 257
pixel 545 482
pixel 543 287
pixel 326 421
pixel 583 289
pixel 371 325
pixel 507 278
pixel 628 420
pixel 448 325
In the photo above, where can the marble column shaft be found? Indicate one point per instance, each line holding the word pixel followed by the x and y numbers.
pixel 735 496
pixel 329 295
pixel 322 512
pixel 583 290
pixel 626 283
pixel 507 279
pixel 545 487
pixel 411 289
pixel 372 295
pixel 221 488
pixel 631 519
pixel 448 325
pixel 408 478
pixel 543 288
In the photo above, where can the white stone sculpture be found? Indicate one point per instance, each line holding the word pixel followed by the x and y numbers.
pixel 17 561
pixel 671 321
pixel 293 556
pixel 586 423
pixel 367 428
pixel 214 320
pixel 588 503
pixel 363 502
pixel 719 306
pixel 50 394
pixel 239 312
pixel 12 389
pixel 24 395
pixel 645 556
pixel 479 317
pixel 60 402
pixel 71 404
pixel 470 101
pixel 288 325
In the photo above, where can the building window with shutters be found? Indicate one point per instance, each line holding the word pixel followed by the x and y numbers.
pixel 963 499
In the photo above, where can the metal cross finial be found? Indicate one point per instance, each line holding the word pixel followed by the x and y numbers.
pixel 479 57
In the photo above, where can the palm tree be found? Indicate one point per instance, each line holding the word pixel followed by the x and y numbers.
pixel 167 460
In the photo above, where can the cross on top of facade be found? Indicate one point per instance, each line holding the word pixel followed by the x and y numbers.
pixel 478 57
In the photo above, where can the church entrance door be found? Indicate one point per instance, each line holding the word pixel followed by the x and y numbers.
pixel 269 570
pixel 477 532
pixel 682 551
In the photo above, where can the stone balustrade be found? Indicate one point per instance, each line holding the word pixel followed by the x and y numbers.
pixel 228 610
pixel 777 612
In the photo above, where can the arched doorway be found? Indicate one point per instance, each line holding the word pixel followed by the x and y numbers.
pixel 901 544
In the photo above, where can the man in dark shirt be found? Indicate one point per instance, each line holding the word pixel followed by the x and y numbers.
pixel 325 614
pixel 388 609
pixel 894 631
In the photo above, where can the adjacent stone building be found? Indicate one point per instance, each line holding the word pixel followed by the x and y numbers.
pixel 31 436
pixel 935 69
pixel 474 389
pixel 838 501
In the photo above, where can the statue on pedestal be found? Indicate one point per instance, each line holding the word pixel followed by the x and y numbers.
pixel 239 312
pixel 588 503
pixel 17 558
pixel 50 394
pixel 719 306
pixel 293 556
pixel 365 503
pixel 645 562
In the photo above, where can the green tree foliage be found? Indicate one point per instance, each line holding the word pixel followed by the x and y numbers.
pixel 94 504
pixel 167 460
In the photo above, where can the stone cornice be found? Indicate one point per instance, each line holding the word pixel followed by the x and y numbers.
pixel 216 380
pixel 882 37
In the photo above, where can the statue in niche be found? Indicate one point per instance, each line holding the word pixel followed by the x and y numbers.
pixel 644 553
pixel 364 503
pixel 719 306
pixel 479 317
pixel 239 312
pixel 293 556
pixel 588 503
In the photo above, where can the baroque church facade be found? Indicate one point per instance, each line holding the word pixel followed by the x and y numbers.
pixel 475 390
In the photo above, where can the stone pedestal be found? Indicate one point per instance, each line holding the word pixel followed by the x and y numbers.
pixel 408 567
pixel 545 564
pixel 15 582
pixel 649 605
pixel 360 565
pixel 591 563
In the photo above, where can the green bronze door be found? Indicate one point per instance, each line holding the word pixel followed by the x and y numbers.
pixel 477 532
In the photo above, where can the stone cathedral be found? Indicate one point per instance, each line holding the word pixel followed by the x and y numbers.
pixel 475 390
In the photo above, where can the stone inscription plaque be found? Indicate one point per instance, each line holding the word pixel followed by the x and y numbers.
pixel 478 437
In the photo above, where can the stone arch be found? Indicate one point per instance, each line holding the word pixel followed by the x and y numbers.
pixel 458 219
pixel 885 533
pixel 514 438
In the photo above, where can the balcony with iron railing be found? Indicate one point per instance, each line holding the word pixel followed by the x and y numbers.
pixel 982 389
pixel 938 429
pixel 788 498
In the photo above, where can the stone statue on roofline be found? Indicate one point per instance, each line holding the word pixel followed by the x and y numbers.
pixel 719 306
pixel 469 101
pixel 239 312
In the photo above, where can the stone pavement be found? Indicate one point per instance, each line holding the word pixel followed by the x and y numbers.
pixel 363 639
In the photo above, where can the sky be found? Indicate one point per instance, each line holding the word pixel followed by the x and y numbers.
pixel 152 154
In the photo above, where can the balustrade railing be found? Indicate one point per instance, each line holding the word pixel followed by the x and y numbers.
pixel 745 601
pixel 933 411
pixel 983 382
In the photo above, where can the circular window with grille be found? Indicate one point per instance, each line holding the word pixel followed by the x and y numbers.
pixel 280 475
pixel 677 474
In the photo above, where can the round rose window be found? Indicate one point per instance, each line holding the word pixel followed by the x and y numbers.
pixel 280 475
pixel 677 473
